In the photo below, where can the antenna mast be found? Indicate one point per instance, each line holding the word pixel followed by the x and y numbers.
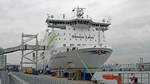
pixel 79 12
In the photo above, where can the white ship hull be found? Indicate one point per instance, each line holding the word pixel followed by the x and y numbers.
pixel 78 59
pixel 76 43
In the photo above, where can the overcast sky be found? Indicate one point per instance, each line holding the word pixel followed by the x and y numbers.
pixel 129 34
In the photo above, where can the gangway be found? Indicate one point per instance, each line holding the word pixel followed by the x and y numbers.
pixel 33 49
pixel 25 47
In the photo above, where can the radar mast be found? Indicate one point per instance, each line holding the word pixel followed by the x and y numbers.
pixel 79 12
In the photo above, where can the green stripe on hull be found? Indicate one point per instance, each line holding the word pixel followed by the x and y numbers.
pixel 51 40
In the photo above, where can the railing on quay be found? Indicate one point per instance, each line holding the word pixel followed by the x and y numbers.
pixel 21 78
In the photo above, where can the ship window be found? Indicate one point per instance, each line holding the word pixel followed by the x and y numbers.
pixel 73 48
pixel 67 22
pixel 71 44
pixel 84 44
pixel 78 21
pixel 78 44
pixel 64 45
pixel 85 22
pixel 73 28
pixel 64 38
pixel 67 49
pixel 70 39
pixel 97 29
pixel 64 33
pixel 95 40
pixel 59 38
pixel 75 22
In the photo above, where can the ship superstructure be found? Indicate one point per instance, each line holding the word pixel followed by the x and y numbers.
pixel 75 43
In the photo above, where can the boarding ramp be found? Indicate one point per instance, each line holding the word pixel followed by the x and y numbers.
pixel 20 47
pixel 33 49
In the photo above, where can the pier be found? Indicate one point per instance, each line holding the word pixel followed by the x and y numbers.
pixel 125 78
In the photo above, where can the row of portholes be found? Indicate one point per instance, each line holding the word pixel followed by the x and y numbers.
pixel 71 49
pixel 71 45
pixel 68 49
pixel 76 34
pixel 88 29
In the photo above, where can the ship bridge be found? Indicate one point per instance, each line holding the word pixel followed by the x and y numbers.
pixel 78 22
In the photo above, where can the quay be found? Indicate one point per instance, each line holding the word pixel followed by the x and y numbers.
pixel 140 77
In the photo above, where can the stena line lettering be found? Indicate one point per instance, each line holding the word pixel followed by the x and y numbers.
pixel 73 36
pixel 90 37
pixel 86 37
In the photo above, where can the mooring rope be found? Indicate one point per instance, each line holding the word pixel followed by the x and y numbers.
pixel 84 64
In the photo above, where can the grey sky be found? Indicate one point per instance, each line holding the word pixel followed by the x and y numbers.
pixel 129 35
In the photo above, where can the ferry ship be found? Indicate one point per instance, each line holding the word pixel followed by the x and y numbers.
pixel 75 43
